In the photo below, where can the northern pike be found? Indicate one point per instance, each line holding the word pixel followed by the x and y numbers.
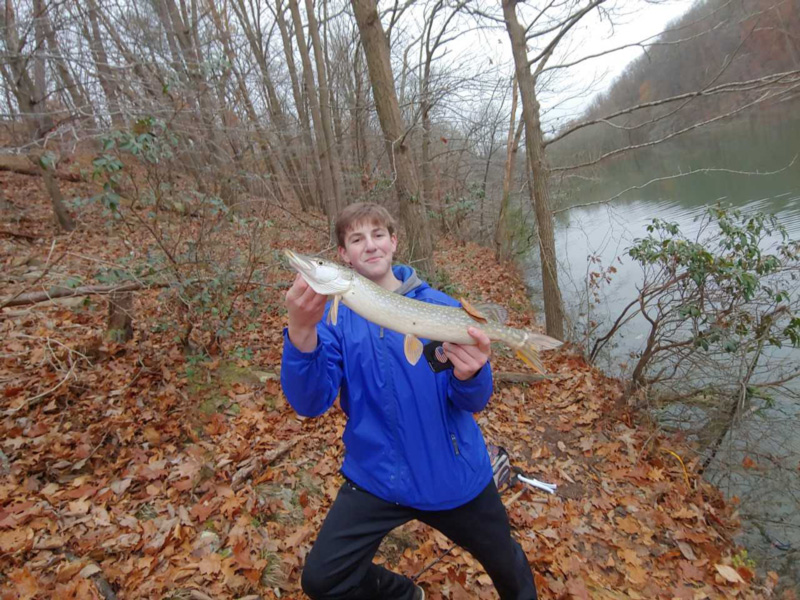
pixel 413 318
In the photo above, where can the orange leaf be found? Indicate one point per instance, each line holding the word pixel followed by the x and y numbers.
pixel 12 541
pixel 577 590
pixel 25 584
pixel 241 554
pixel 202 510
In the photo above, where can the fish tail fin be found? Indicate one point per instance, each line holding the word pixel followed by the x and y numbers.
pixel 532 344
pixel 529 354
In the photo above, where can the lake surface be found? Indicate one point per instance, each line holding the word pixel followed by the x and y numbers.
pixel 769 492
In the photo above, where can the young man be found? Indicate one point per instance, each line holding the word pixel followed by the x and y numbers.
pixel 412 447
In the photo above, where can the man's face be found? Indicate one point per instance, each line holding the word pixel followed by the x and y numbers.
pixel 369 249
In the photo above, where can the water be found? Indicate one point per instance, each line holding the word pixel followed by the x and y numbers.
pixel 596 236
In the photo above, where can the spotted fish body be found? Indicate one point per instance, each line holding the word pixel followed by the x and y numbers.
pixel 411 317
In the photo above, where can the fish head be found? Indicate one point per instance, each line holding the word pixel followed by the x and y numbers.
pixel 324 277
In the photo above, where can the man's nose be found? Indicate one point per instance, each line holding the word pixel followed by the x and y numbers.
pixel 370 243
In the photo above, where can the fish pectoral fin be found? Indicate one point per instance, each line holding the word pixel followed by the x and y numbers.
pixel 472 311
pixel 333 313
pixel 412 347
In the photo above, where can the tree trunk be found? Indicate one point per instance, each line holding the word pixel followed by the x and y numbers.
pixel 325 97
pixel 63 219
pixel 178 24
pixel 484 183
pixel 312 165
pixel 359 113
pixel 81 104
pixel 30 95
pixel 502 245
pixel 104 73
pixel 534 145
pixel 293 166
pixel 329 197
pixel 376 48
pixel 120 317
pixel 427 168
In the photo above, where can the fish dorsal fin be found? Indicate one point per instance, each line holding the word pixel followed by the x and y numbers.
pixel 333 313
pixel 412 347
pixel 485 311
pixel 472 311
pixel 493 312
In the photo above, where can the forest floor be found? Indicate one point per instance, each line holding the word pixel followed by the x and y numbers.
pixel 137 471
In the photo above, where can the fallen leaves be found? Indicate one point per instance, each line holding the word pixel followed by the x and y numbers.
pixel 162 474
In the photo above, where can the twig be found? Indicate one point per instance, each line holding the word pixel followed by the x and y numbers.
pixel 16 234
pixel 512 377
pixel 64 292
pixel 32 401
pixel 48 266
pixel 258 462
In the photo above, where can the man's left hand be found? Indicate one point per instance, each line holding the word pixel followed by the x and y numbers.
pixel 468 359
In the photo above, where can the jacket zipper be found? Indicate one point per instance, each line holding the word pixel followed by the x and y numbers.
pixel 455 443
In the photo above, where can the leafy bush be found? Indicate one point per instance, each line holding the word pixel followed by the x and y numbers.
pixel 206 255
pixel 713 302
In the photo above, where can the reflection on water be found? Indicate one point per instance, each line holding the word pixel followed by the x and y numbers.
pixel 768 492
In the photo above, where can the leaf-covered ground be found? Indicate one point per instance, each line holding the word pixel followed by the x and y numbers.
pixel 136 471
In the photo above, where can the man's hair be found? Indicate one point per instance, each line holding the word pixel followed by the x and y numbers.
pixel 362 212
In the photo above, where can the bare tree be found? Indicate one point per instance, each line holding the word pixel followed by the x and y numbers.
pixel 329 190
pixel 91 32
pixel 534 144
pixel 332 148
pixel 501 241
pixel 376 48
pixel 30 93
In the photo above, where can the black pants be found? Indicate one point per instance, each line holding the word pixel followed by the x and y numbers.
pixel 340 566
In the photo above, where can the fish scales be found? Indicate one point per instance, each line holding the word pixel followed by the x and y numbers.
pixel 423 319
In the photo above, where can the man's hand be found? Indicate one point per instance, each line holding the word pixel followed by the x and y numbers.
pixel 468 360
pixel 306 308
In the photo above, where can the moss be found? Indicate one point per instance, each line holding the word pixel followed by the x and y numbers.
pixel 210 386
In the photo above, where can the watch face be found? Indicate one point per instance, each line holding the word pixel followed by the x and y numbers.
pixel 436 357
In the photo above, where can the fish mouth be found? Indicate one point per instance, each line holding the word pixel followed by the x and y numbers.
pixel 297 261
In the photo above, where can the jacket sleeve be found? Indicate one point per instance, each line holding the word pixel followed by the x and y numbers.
pixel 474 393
pixel 311 380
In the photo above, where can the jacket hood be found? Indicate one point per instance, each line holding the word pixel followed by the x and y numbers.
pixel 410 279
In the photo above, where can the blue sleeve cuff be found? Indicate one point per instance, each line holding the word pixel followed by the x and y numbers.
pixel 290 350
pixel 474 393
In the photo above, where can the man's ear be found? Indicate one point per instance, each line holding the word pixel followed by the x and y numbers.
pixel 394 243
pixel 343 256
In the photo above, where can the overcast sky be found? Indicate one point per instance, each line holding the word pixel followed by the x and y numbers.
pixel 635 21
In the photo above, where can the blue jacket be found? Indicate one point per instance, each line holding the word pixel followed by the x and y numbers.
pixel 410 436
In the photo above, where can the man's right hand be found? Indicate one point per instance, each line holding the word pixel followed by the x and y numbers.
pixel 306 308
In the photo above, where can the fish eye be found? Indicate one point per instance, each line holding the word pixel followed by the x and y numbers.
pixel 319 262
